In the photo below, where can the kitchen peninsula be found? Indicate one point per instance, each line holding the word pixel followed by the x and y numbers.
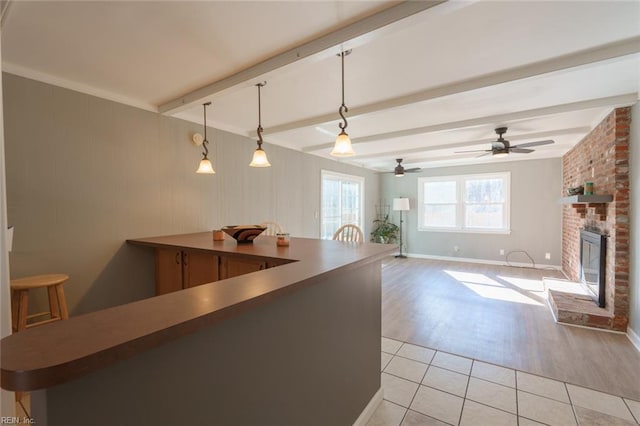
pixel 296 342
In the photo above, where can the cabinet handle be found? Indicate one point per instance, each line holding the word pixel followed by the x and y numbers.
pixel 184 258
pixel 177 258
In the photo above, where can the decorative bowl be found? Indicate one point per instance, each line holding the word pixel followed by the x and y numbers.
pixel 243 233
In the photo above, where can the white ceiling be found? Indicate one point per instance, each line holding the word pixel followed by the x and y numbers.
pixel 419 85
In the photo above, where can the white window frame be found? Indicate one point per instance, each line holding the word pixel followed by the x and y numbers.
pixel 343 177
pixel 461 205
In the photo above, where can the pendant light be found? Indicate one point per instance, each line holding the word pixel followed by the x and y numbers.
pixel 259 156
pixel 343 148
pixel 205 166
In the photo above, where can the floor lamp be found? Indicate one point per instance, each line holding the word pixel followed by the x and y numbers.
pixel 401 205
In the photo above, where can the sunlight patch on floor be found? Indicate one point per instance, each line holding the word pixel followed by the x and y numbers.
pixel 489 288
pixel 472 277
pixel 526 284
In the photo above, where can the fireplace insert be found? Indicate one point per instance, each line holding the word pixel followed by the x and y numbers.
pixel 593 250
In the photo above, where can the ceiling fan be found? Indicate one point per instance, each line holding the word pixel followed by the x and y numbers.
pixel 399 171
pixel 501 147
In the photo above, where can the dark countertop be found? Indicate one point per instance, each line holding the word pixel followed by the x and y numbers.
pixel 45 356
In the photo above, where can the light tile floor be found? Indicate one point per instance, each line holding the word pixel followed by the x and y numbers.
pixel 423 386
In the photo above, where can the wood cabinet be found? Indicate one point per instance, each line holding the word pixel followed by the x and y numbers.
pixel 273 263
pixel 231 266
pixel 177 269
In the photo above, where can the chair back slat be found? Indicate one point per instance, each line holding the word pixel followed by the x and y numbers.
pixel 349 232
pixel 273 228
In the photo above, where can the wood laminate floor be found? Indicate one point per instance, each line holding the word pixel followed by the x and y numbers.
pixel 499 314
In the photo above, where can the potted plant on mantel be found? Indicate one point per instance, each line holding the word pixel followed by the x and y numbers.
pixel 385 232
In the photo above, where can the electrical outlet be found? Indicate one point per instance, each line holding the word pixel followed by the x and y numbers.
pixel 547 256
pixel 501 252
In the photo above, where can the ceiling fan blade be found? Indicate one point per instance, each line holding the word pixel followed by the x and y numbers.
pixel 475 150
pixel 483 155
pixel 522 150
pixel 413 170
pixel 538 143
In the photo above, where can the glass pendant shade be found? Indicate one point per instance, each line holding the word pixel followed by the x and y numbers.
pixel 343 148
pixel 205 167
pixel 259 159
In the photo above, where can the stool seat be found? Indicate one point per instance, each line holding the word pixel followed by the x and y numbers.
pixel 37 281
pixel 20 299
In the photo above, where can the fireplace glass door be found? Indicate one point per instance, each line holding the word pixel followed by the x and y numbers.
pixel 593 247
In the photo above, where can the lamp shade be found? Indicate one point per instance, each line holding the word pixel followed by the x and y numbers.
pixel 205 167
pixel 400 204
pixel 259 159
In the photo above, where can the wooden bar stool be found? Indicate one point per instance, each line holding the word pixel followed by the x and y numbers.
pixel 20 300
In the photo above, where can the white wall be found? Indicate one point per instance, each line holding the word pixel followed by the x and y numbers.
pixel 634 236
pixel 85 174
pixel 535 214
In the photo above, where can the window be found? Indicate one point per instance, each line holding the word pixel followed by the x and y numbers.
pixel 342 198
pixel 467 203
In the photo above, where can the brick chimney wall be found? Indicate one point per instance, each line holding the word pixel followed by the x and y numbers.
pixel 602 157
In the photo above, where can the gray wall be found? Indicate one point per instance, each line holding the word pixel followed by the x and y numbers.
pixel 535 214
pixel 84 174
pixel 634 237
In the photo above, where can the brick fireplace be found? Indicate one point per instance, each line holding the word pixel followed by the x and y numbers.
pixel 602 157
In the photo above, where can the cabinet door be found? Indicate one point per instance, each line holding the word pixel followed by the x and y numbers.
pixel 168 270
pixel 274 263
pixel 232 266
pixel 199 268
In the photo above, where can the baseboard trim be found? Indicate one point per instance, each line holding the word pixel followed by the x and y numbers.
pixel 368 411
pixel 482 261
pixel 634 338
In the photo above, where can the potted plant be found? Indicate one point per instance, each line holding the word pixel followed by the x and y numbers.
pixel 385 232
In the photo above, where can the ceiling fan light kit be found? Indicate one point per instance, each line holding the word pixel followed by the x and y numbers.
pixel 399 170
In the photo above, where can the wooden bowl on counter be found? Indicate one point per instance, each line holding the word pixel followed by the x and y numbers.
pixel 243 233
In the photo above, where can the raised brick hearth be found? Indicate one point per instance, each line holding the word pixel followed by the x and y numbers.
pixel 602 157
pixel 579 309
pixel 571 304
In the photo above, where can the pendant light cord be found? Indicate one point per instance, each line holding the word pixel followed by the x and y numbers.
pixel 260 130
pixel 205 141
pixel 343 107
